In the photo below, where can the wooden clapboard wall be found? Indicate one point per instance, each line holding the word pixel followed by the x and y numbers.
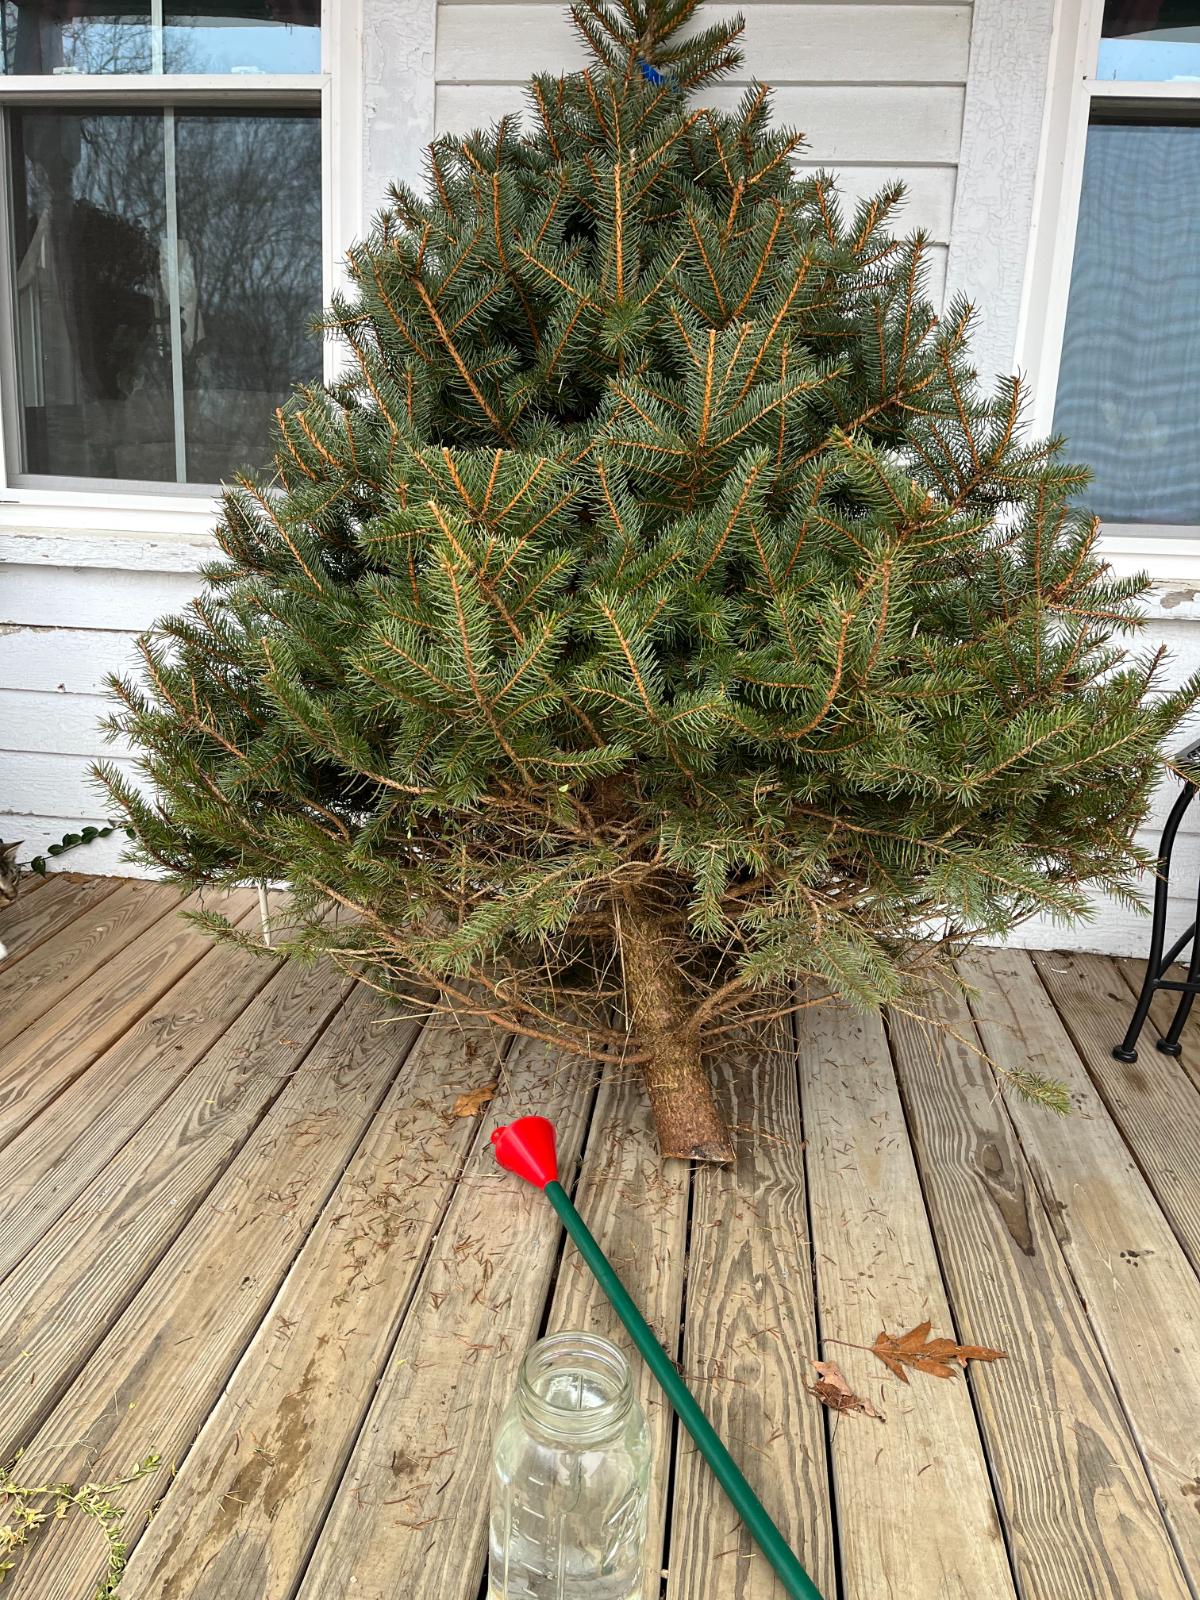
pixel 877 89
pixel 62 631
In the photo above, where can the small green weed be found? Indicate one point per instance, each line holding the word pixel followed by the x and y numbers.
pixel 26 1507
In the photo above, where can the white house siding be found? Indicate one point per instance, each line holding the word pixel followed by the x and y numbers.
pixel 877 90
pixel 62 630
pixel 998 168
pixel 1174 621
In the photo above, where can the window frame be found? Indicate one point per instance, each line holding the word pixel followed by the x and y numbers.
pixel 155 510
pixel 1072 89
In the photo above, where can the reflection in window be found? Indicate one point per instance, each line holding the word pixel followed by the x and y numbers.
pixel 250 277
pixel 273 36
pixel 104 36
pixel 1151 41
pixel 1129 384
pixel 159 324
pixel 72 36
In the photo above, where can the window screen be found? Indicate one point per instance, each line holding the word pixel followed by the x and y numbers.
pixel 1129 384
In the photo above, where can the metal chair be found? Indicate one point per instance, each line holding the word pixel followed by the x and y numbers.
pixel 1156 962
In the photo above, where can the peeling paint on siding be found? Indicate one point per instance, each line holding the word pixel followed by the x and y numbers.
pixel 997 172
pixel 399 37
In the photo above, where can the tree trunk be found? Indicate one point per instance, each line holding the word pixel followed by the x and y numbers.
pixel 689 1123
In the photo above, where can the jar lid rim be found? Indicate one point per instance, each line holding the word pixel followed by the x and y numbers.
pixel 603 1353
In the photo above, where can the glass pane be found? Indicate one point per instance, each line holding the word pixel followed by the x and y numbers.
pixel 250 277
pixel 1129 386
pixel 69 36
pixel 240 37
pixel 1151 41
pixel 160 325
pixel 92 309
pixel 220 36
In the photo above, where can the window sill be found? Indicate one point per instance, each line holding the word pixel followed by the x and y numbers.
pixel 148 534
pixel 136 532
pixel 1169 556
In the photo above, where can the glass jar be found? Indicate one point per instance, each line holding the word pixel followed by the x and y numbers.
pixel 570 1477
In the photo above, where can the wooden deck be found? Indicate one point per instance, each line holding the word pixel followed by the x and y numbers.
pixel 240 1225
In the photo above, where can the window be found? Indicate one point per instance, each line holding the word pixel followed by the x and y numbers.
pixel 1129 379
pixel 1150 41
pixel 1112 316
pixel 161 248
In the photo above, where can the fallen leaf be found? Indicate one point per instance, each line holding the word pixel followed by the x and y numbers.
pixel 471 1103
pixel 916 1349
pixel 832 1390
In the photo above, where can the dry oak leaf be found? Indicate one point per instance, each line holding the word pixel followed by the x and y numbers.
pixel 916 1349
pixel 832 1390
pixel 469 1104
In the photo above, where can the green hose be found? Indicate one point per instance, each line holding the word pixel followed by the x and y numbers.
pixel 749 1507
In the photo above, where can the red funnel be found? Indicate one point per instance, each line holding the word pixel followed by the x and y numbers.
pixel 526 1147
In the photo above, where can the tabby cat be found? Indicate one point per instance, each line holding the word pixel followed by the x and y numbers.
pixel 10 878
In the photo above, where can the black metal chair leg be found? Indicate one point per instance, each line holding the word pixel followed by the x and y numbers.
pixel 1149 987
pixel 1169 1043
pixel 1127 1049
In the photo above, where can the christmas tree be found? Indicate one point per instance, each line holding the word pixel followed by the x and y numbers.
pixel 658 626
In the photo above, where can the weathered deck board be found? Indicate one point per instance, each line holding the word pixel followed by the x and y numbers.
pixel 43 906
pixel 750 1337
pixel 164 1364
pixel 1142 1296
pixel 30 988
pixel 411 1511
pixel 913 1496
pixel 1151 1100
pixel 62 1297
pixel 181 1265
pixel 37 1066
pixel 1079 1510
pixel 638 1210
pixel 54 1158
pixel 240 1517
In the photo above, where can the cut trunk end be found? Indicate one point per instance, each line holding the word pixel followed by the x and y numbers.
pixel 688 1121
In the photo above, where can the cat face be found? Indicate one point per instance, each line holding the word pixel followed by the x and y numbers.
pixel 10 872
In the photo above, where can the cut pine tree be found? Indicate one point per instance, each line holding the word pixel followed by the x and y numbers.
pixel 656 619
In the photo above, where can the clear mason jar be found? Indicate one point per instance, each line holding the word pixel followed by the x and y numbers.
pixel 570 1477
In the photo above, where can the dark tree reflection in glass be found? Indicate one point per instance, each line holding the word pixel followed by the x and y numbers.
pixel 92 305
pixel 222 36
pixel 162 305
pixel 249 207
pixel 71 36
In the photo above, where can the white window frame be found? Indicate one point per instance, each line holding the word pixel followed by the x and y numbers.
pixel 52 514
pixel 1167 552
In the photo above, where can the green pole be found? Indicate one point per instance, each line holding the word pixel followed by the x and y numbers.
pixel 749 1507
